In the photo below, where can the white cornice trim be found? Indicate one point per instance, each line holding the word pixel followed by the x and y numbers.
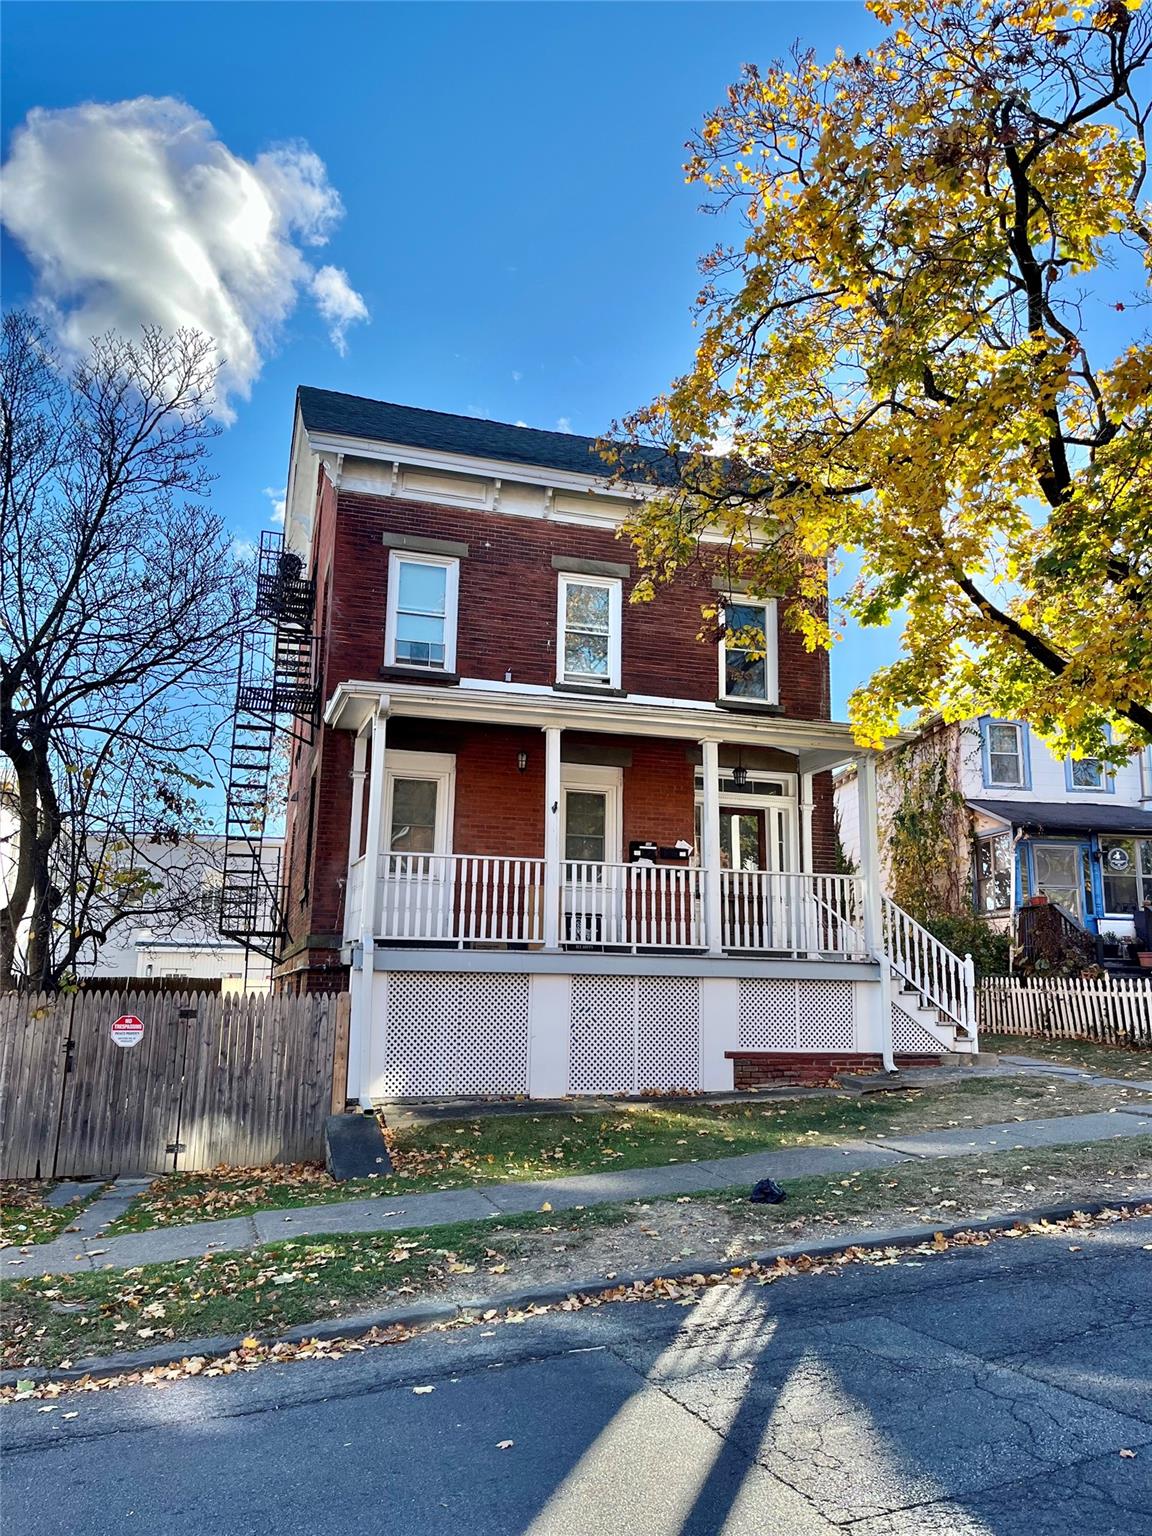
pixel 819 740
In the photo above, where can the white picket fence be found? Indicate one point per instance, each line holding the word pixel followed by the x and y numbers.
pixel 1117 1011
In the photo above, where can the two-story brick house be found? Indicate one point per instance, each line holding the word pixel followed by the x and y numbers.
pixel 557 841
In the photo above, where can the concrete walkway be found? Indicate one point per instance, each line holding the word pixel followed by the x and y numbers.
pixel 88 1249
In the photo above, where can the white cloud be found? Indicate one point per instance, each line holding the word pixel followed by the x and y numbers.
pixel 276 495
pixel 134 212
pixel 519 423
pixel 338 303
pixel 564 424
pixel 516 375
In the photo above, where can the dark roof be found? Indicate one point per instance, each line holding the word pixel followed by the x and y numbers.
pixel 324 410
pixel 1058 816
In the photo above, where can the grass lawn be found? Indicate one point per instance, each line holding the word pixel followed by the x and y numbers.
pixel 24 1218
pixel 1127 1061
pixel 507 1148
pixel 53 1318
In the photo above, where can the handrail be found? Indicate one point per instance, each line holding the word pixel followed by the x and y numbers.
pixel 944 980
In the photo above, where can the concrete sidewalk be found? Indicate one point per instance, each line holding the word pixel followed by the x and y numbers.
pixel 86 1249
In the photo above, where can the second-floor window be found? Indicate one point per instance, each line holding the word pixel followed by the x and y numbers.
pixel 1004 755
pixel 748 651
pixel 588 631
pixel 421 623
pixel 1085 773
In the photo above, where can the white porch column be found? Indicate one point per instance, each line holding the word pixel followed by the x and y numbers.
pixel 710 759
pixel 360 1016
pixel 552 837
pixel 359 774
pixel 806 824
pixel 809 917
pixel 869 851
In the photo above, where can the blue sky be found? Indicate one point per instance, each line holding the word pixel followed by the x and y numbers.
pixel 515 217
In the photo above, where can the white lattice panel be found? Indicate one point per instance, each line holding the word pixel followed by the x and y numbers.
pixel 908 1034
pixel 826 1016
pixel 455 1034
pixel 603 1048
pixel 767 1014
pixel 667 1033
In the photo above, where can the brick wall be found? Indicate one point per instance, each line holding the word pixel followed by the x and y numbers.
pixel 507 619
pixel 808 1069
pixel 507 622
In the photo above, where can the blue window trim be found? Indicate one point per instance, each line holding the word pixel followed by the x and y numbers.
pixel 1090 874
pixel 1025 752
pixel 1107 785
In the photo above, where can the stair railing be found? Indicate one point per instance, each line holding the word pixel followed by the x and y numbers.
pixel 943 979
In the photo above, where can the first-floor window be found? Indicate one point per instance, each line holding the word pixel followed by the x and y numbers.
pixel 588 631
pixel 1127 863
pixel 413 828
pixel 994 872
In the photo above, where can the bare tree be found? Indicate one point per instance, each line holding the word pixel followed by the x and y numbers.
pixel 122 602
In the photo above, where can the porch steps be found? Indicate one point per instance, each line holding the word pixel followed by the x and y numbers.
pixel 923 1026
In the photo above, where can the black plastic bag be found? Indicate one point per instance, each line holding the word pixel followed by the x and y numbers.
pixel 768 1192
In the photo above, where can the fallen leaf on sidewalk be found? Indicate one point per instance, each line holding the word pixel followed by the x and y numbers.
pixel 547 1206
pixel 1124 1451
pixel 506 1445
pixel 419 1390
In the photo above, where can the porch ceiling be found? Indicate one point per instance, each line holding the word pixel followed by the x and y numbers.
pixel 820 744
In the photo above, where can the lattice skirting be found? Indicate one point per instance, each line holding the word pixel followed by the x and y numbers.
pixel 443 1034
pixel 908 1034
pixel 787 1015
pixel 453 1034
pixel 635 1034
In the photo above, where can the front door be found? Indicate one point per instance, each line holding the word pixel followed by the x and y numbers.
pixel 590 832
pixel 1058 872
pixel 754 846
pixel 416 874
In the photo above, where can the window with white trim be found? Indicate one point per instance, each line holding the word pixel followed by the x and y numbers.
pixel 588 631
pixel 420 630
pixel 1085 773
pixel 1127 869
pixel 994 872
pixel 1005 754
pixel 748 660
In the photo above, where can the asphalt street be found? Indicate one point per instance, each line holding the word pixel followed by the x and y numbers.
pixel 988 1390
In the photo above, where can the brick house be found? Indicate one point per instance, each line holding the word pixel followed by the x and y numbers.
pixel 553 840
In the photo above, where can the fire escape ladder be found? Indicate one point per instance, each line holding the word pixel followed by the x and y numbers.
pixel 276 680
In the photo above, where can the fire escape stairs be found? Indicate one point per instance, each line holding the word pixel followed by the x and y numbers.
pixel 276 681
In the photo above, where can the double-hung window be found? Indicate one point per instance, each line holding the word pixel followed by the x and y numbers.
pixel 994 872
pixel 588 631
pixel 1005 759
pixel 748 661
pixel 421 623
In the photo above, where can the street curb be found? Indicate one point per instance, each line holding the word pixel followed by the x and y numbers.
pixel 425 1312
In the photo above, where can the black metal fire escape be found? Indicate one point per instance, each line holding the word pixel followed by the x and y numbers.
pixel 275 679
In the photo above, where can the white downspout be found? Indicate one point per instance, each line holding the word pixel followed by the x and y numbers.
pixel 873 897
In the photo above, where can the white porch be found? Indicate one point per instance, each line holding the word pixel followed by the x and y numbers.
pixel 452 951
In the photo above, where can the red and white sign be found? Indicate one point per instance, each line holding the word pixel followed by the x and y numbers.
pixel 128 1030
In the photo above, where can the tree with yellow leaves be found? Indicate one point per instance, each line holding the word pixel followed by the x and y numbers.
pixel 898 358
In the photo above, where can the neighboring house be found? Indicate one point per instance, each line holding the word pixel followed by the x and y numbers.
pixel 1074 830
pixel 556 842
pixel 192 948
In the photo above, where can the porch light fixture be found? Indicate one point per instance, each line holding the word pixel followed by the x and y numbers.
pixel 521 761
pixel 740 776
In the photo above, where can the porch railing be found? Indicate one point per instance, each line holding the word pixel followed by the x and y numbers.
pixel 461 898
pixel 632 906
pixel 796 914
pixel 941 978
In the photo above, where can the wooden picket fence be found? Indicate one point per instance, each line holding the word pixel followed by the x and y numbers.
pixel 1115 1011
pixel 214 1079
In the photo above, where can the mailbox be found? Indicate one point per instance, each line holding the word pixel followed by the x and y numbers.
pixel 639 851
